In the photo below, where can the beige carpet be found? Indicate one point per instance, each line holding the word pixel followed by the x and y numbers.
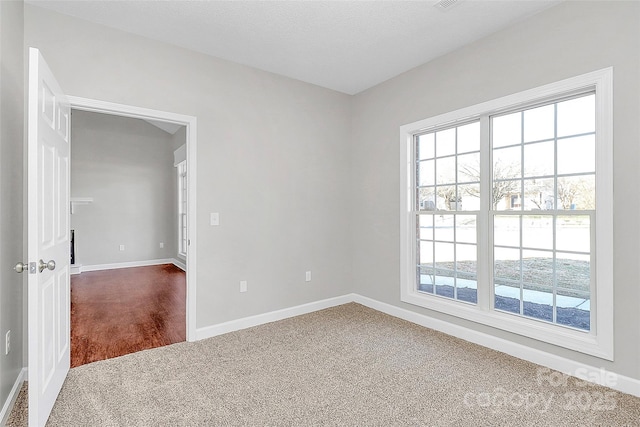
pixel 344 366
pixel 19 413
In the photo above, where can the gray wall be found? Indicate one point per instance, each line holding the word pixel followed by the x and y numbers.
pixel 126 166
pixel 564 41
pixel 273 160
pixel 306 178
pixel 11 200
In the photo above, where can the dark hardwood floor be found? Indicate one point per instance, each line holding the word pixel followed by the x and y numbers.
pixel 117 312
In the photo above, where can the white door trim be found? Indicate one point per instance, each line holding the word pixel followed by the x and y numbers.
pixel 190 122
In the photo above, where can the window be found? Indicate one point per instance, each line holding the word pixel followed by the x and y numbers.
pixel 448 194
pixel 502 205
pixel 182 208
pixel 544 166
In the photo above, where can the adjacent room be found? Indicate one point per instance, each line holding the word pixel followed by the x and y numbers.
pixel 129 255
pixel 319 213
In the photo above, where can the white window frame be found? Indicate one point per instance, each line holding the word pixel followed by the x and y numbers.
pixel 182 212
pixel 598 341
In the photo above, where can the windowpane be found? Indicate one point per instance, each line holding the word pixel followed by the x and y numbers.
pixel 507 163
pixel 538 159
pixel 426 173
pixel 577 155
pixel 466 258
pixel 573 309
pixel 446 170
pixel 577 192
pixel 537 268
pixel 425 278
pixel 506 130
pixel 538 194
pixel 507 298
pixel 469 197
pixel 537 302
pixel 426 227
pixel 426 252
pixel 506 266
pixel 537 232
pixel 506 195
pixel 506 277
pixel 539 123
pixel 443 255
pixel 573 233
pixel 446 142
pixel 427 199
pixel 469 138
pixel 577 116
pixel 444 274
pixel 446 198
pixel 426 146
pixel 444 227
pixel 469 168
pixel 467 288
pixel 506 230
pixel 466 231
pixel 466 268
pixel 444 283
pixel 573 272
pixel 573 297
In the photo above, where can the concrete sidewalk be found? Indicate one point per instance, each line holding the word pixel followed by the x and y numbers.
pixel 537 297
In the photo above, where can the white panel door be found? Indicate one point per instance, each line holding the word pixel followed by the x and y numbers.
pixel 48 239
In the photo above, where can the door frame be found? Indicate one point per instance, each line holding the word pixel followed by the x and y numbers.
pixel 190 122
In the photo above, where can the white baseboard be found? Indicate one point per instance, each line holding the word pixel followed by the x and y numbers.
pixel 97 267
pixel 75 269
pixel 180 264
pixel 567 366
pixel 273 316
pixel 13 395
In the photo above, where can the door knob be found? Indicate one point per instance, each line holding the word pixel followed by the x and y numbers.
pixel 21 267
pixel 51 265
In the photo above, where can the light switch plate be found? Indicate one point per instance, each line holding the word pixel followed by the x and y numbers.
pixel 215 218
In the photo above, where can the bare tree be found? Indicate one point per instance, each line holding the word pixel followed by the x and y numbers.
pixel 503 185
pixel 540 193
pixel 578 191
pixel 448 193
pixel 571 191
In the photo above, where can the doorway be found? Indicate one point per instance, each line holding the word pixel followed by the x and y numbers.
pixel 128 259
pixel 161 120
pixel 48 233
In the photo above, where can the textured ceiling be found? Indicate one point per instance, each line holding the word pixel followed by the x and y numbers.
pixel 347 46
